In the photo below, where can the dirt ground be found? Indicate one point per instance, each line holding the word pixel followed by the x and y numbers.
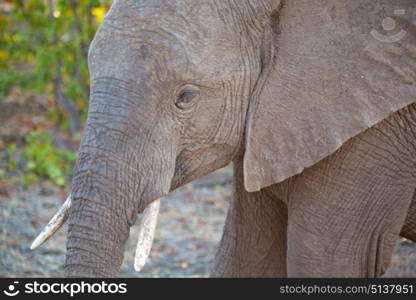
pixel 189 229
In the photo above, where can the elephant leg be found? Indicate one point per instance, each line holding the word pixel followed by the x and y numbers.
pixel 409 228
pixel 346 212
pixel 254 238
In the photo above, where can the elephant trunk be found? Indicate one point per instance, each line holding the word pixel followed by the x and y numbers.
pixel 115 178
pixel 99 220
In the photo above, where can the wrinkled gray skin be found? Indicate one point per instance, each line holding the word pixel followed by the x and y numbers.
pixel 182 88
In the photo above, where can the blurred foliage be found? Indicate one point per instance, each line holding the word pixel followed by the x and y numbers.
pixel 44 46
pixel 42 159
pixel 43 50
pixel 45 159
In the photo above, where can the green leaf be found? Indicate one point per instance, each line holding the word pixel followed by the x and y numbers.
pixel 31 165
pixel 12 164
pixel 11 148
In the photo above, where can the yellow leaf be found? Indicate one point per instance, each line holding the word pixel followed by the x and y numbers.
pixel 98 13
pixel 3 55
pixel 56 13
pixel 8 38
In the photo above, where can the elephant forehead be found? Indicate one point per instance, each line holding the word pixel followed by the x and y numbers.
pixel 147 38
pixel 146 8
pixel 116 51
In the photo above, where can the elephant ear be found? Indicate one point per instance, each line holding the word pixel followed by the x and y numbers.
pixel 331 70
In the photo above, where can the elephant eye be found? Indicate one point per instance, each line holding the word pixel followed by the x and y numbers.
pixel 186 99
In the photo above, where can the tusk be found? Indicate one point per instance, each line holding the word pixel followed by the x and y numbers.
pixel 146 234
pixel 54 224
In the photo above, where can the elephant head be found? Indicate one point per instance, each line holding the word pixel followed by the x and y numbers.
pixel 170 87
pixel 181 88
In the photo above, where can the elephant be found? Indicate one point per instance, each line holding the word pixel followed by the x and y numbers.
pixel 312 101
